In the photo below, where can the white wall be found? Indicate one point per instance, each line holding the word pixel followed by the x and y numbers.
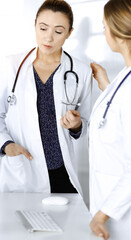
pixel 87 43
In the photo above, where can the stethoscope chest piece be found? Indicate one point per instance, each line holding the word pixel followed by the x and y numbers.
pixel 102 123
pixel 11 99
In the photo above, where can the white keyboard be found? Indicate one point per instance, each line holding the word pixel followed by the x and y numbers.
pixel 39 221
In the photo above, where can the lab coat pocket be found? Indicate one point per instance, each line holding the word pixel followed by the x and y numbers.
pixel 16 161
pixel 12 174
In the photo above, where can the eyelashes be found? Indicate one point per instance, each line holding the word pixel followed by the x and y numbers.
pixel 58 32
pixel 44 29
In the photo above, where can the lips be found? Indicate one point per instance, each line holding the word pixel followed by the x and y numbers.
pixel 47 46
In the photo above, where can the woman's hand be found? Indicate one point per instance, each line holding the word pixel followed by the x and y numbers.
pixel 100 75
pixel 71 120
pixel 13 149
pixel 98 225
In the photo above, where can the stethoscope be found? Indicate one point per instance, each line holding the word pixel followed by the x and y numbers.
pixel 102 122
pixel 12 97
pixel 70 103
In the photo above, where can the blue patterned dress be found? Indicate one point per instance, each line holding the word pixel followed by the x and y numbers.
pixel 59 179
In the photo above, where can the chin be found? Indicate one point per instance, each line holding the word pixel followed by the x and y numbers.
pixel 45 51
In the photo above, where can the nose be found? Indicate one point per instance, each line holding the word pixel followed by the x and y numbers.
pixel 49 36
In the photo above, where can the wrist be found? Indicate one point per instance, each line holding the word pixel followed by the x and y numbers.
pixel 6 147
pixel 100 216
pixel 3 151
pixel 77 128
pixel 105 86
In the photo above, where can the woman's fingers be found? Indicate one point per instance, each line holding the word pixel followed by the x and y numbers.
pixel 27 154
pixel 100 230
pixel 73 115
pixel 103 232
pixel 13 149
pixel 100 75
pixel 98 225
pixel 100 235
pixel 71 119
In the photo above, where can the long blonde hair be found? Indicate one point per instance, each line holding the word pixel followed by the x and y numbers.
pixel 117 14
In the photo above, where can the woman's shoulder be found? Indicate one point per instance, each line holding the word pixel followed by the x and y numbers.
pixel 81 65
pixel 15 59
pixel 9 65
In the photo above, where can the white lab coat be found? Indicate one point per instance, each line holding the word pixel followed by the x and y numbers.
pixel 110 158
pixel 22 126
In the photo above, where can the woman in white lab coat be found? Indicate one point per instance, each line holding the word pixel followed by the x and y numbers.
pixel 110 139
pixel 37 132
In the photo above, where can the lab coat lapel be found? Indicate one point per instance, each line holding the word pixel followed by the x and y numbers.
pixel 102 96
pixel 58 88
pixel 31 113
pixel 111 86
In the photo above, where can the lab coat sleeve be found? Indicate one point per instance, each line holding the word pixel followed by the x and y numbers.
pixel 3 147
pixel 77 134
pixel 85 102
pixel 119 200
pixel 4 76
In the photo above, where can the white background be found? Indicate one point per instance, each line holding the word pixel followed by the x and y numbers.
pixel 87 42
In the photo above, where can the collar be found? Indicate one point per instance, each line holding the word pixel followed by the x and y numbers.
pixel 112 86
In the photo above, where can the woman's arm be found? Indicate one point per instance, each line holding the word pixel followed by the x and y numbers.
pixel 12 149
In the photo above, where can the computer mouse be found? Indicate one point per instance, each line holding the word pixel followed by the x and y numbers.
pixel 55 200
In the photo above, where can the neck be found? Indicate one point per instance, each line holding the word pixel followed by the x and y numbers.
pixel 126 52
pixel 49 59
pixel 128 60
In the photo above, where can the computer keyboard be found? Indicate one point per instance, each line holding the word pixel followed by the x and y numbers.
pixel 39 221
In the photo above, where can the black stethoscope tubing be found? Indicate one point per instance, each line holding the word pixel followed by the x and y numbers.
pixel 65 78
pixel 109 102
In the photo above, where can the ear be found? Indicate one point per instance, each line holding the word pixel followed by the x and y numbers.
pixel 121 40
pixel 70 33
pixel 121 43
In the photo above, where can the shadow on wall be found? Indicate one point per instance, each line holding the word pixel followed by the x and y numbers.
pixel 113 62
pixel 82 35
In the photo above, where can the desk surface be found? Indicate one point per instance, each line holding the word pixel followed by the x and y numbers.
pixel 72 218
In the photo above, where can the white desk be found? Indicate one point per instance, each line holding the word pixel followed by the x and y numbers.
pixel 73 218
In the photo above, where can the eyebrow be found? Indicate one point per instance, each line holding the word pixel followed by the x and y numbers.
pixel 55 26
